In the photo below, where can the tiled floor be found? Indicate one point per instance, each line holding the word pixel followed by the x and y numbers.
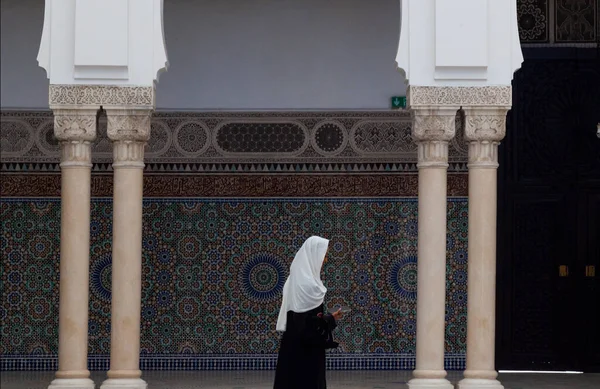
pixel 336 380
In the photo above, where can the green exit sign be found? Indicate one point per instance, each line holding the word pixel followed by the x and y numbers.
pixel 398 102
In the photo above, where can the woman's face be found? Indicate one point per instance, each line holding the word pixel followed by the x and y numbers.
pixel 323 266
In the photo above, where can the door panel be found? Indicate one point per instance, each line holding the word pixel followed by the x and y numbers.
pixel 541 306
pixel 549 186
pixel 589 287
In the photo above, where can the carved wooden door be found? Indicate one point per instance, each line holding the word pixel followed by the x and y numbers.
pixel 548 234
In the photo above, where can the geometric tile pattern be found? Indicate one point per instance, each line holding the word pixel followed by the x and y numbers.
pixel 239 185
pixel 213 270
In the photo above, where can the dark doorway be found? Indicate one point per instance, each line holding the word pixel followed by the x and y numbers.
pixel 548 313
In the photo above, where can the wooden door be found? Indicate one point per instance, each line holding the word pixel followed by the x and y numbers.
pixel 549 170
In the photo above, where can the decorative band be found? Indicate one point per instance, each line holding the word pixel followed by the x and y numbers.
pixel 240 185
pixel 335 361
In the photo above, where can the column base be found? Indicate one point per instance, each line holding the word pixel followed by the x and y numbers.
pixel 479 383
pixel 72 383
pixel 430 383
pixel 124 383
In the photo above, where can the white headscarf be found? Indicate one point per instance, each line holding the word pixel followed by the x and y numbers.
pixel 304 289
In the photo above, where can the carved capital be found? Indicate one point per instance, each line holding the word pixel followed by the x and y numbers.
pixel 129 154
pixel 129 130
pixel 75 129
pixel 485 123
pixel 75 153
pixel 75 124
pixel 483 154
pixel 484 129
pixel 433 153
pixel 128 124
pixel 432 129
pixel 437 124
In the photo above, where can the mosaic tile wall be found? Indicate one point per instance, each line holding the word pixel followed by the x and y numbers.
pixel 213 272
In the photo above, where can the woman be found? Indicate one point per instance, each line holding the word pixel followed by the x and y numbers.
pixel 306 328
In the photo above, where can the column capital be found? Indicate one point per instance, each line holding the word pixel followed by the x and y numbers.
pixel 485 123
pixel 432 129
pixel 485 127
pixel 128 124
pixel 75 124
pixel 75 129
pixel 129 130
pixel 434 123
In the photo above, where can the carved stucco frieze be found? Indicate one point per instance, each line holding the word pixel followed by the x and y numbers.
pixel 102 95
pixel 356 140
pixel 486 96
pixel 75 129
pixel 484 129
pixel 432 130
pixel 129 131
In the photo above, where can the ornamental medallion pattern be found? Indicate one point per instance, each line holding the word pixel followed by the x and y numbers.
pixel 237 142
pixel 533 20
pixel 213 271
pixel 576 20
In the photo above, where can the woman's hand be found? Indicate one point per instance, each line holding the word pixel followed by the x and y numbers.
pixel 337 315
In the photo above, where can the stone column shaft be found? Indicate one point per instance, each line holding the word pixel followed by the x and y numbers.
pixel 484 128
pixel 432 129
pixel 75 129
pixel 129 131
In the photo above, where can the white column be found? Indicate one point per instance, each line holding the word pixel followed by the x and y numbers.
pixel 129 131
pixel 484 129
pixel 432 129
pixel 75 129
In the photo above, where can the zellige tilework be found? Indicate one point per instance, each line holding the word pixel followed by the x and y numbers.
pixel 213 270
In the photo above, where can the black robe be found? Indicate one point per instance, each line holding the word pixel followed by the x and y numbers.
pixel 301 362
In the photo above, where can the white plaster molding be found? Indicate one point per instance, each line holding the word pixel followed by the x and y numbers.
pixel 75 48
pixel 458 42
pixel 160 59
pixel 403 54
pixel 43 57
pixel 72 383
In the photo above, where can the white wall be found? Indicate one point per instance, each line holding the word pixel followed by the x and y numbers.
pixel 241 54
